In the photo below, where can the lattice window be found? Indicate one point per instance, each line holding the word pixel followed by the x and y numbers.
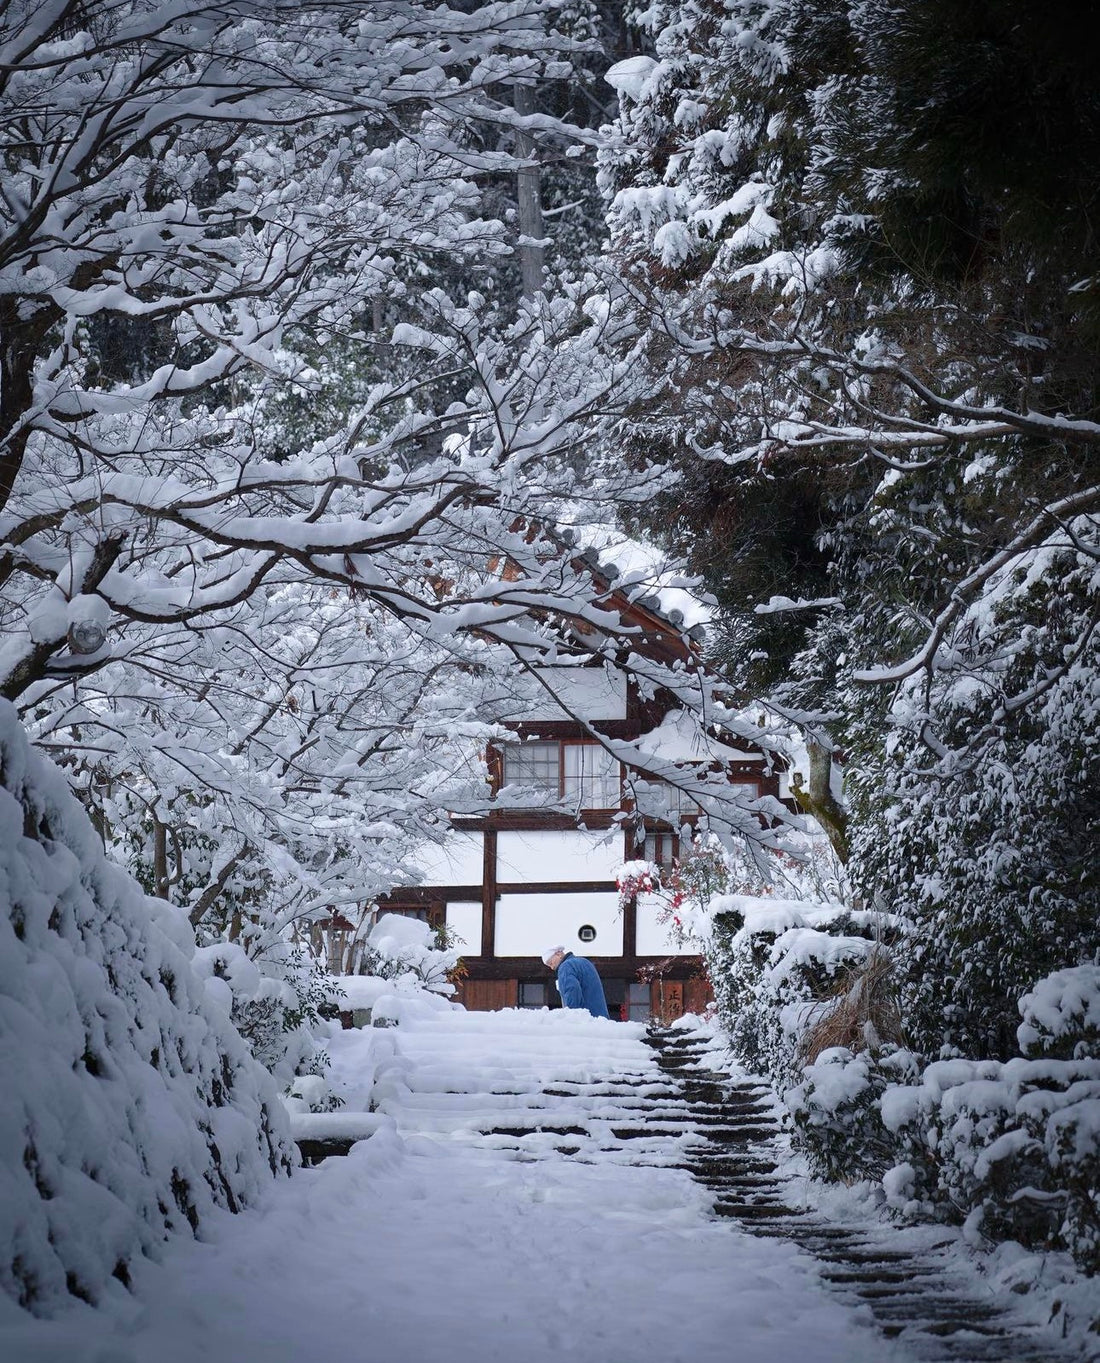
pixel 639 1007
pixel 583 775
pixel 533 764
pixel 661 848
pixel 590 777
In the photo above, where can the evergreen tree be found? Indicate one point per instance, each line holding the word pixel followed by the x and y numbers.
pixel 864 271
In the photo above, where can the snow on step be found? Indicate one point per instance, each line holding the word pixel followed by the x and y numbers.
pixel 472 1075
pixel 913 1293
pixel 464 1247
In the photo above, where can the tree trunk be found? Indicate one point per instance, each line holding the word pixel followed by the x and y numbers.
pixel 529 198
pixel 817 798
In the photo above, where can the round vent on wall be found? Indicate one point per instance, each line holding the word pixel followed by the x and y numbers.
pixel 587 933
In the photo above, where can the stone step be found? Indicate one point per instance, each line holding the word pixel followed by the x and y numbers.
pixel 738 1135
pixel 869 1254
pixel 749 1183
pixel 936 1295
pixel 710 1168
pixel 756 1211
pixel 314 1151
pixel 878 1273
pixel 814 1243
pixel 952 1312
pixel 988 1326
pixel 732 1116
pixel 638 1133
pixel 540 1130
pixel 910 1294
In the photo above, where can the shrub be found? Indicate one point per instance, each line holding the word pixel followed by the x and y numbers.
pixel 1011 1147
pixel 780 969
pixel 131 1106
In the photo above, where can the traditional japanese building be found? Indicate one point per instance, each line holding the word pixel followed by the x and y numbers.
pixel 517 880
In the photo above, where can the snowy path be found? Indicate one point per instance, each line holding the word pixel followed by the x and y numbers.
pixel 486 1219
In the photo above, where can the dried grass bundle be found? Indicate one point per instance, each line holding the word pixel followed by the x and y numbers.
pixel 862 1013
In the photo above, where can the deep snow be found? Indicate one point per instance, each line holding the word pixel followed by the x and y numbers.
pixel 429 1242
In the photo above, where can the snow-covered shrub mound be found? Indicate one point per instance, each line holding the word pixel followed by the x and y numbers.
pixel 275 1014
pixel 1061 1015
pixel 1011 1146
pixel 400 946
pixel 130 1107
pixel 777 967
pixel 837 1114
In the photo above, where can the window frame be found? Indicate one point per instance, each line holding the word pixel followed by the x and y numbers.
pixel 523 985
pixel 594 783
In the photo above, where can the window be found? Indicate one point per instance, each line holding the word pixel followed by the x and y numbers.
pixel 671 802
pixel 664 801
pixel 639 1007
pixel 533 764
pixel 661 848
pixel 532 994
pixel 583 775
pixel 591 776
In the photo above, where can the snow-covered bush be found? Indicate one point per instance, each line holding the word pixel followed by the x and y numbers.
pixel 985 835
pixel 131 1107
pixel 777 968
pixel 311 1093
pixel 399 946
pixel 1061 1015
pixel 1011 1147
pixel 276 1008
pixel 836 1110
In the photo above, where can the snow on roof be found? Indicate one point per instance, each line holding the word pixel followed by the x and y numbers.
pixel 680 738
pixel 642 573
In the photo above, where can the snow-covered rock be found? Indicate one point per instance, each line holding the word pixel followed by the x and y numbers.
pixel 131 1107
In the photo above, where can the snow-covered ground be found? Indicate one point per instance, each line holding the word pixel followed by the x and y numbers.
pixel 431 1242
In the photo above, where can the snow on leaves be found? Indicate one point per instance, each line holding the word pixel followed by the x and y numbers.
pixel 132 1107
pixel 303 637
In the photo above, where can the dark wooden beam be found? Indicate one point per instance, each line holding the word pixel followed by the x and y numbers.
pixel 556 887
pixel 614 967
pixel 630 927
pixel 426 896
pixel 489 896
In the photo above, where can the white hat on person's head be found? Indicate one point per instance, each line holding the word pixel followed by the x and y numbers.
pixel 547 956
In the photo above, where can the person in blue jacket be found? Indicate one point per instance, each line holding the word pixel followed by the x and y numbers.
pixel 578 983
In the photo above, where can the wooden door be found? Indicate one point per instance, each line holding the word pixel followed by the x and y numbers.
pixel 697 994
pixel 486 996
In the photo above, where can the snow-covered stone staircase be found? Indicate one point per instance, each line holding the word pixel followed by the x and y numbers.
pixel 556 1096
pixel 913 1294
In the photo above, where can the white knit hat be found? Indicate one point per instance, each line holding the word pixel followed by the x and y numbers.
pixel 553 951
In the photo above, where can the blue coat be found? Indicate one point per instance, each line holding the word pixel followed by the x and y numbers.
pixel 580 987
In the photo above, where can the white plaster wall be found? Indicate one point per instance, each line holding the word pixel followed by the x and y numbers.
pixel 465 920
pixel 529 923
pixel 565 854
pixel 588 692
pixel 652 935
pixel 459 861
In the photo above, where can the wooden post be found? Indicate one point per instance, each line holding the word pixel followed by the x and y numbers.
pixel 489 895
pixel 630 928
